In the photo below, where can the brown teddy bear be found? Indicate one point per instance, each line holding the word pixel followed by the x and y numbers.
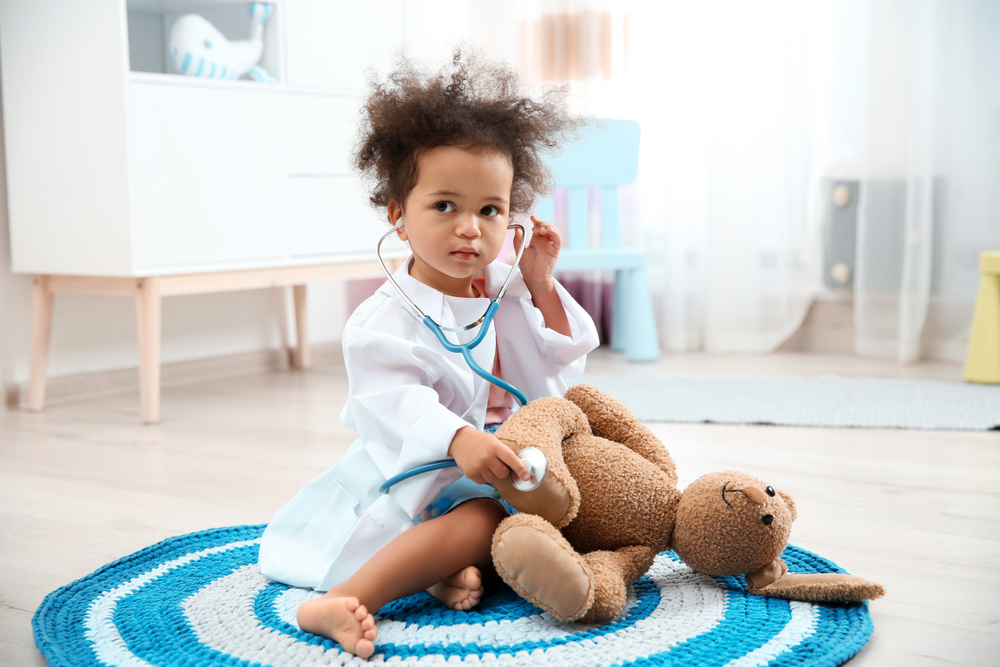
pixel 609 504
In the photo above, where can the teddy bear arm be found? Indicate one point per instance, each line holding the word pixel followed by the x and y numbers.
pixel 611 420
pixel 775 581
pixel 544 424
pixel 824 587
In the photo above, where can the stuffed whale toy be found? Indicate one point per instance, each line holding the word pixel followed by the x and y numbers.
pixel 198 49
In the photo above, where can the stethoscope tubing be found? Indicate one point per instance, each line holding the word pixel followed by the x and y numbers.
pixel 417 470
pixel 465 349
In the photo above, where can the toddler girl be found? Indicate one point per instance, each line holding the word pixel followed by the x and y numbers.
pixel 452 157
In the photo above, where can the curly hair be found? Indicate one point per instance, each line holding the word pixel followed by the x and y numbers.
pixel 472 104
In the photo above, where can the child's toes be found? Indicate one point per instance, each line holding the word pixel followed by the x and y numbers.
pixel 364 649
pixel 360 613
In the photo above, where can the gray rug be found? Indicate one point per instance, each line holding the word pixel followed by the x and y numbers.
pixel 828 401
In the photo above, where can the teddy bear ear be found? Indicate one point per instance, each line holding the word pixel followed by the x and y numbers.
pixel 790 503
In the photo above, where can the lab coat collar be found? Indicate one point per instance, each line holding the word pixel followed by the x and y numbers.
pixel 447 310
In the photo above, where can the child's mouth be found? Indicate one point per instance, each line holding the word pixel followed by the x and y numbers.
pixel 465 255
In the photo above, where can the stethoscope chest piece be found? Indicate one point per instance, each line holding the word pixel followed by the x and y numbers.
pixel 537 466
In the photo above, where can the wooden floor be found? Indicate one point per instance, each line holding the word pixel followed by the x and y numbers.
pixel 84 483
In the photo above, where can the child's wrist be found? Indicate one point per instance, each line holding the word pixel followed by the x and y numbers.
pixel 540 287
pixel 458 441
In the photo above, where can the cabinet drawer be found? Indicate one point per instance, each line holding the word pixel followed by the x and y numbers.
pixel 319 133
pixel 207 182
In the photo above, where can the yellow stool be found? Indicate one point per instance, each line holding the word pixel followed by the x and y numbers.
pixel 982 361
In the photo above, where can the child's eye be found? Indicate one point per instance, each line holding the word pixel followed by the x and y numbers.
pixel 490 211
pixel 445 207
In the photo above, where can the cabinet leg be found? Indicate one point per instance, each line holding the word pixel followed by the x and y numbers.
pixel 300 358
pixel 42 301
pixel 148 307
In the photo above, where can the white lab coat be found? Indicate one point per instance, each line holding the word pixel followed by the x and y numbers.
pixel 407 397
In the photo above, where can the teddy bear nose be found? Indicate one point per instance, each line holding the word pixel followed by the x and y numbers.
pixel 768 519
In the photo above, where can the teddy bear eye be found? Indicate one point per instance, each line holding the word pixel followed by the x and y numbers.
pixel 770 492
pixel 768 519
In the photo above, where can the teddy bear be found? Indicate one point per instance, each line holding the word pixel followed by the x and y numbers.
pixel 609 503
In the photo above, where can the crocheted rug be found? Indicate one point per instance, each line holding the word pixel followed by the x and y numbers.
pixel 199 599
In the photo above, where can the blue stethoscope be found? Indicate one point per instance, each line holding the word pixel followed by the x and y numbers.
pixel 533 458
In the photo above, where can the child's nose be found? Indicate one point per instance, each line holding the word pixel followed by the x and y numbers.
pixel 468 226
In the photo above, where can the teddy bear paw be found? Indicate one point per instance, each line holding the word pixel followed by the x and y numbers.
pixel 534 559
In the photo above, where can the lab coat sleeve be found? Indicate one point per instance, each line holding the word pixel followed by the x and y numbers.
pixel 398 414
pixel 538 360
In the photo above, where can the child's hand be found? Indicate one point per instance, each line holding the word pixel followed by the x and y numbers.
pixel 538 262
pixel 484 458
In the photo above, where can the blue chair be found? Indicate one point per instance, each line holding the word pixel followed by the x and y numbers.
pixel 606 156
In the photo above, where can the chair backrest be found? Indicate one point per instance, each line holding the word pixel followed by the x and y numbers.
pixel 606 156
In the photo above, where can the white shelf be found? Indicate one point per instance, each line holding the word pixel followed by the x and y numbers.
pixel 179 80
pixel 184 6
pixel 150 23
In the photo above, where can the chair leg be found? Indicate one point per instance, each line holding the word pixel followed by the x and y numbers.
pixel 982 360
pixel 619 311
pixel 149 308
pixel 642 342
pixel 42 302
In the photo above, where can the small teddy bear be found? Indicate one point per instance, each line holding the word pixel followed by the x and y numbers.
pixel 609 504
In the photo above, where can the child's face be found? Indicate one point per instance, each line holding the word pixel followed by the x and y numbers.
pixel 456 216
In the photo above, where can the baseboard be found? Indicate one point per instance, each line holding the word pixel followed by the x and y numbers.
pixel 82 386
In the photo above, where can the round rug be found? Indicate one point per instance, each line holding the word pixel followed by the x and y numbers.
pixel 199 600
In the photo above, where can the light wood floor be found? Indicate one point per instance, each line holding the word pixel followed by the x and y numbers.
pixel 84 483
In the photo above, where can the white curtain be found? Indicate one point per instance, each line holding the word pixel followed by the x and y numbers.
pixel 930 174
pixel 737 102
pixel 747 108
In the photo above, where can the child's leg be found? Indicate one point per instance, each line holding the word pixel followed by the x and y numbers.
pixel 432 555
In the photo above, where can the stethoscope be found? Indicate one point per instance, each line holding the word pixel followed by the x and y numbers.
pixel 532 458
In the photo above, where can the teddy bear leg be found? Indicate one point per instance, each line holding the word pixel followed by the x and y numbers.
pixel 534 558
pixel 611 420
pixel 613 572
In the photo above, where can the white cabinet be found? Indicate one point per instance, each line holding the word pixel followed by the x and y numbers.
pixel 127 178
pixel 118 167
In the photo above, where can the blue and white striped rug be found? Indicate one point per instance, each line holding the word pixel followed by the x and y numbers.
pixel 829 401
pixel 199 599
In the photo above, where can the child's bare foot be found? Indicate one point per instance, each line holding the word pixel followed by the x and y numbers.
pixel 344 620
pixel 461 591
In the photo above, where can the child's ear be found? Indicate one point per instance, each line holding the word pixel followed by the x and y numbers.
pixel 395 217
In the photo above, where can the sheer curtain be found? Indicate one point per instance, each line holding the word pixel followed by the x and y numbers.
pixel 930 175
pixel 737 102
pixel 746 109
